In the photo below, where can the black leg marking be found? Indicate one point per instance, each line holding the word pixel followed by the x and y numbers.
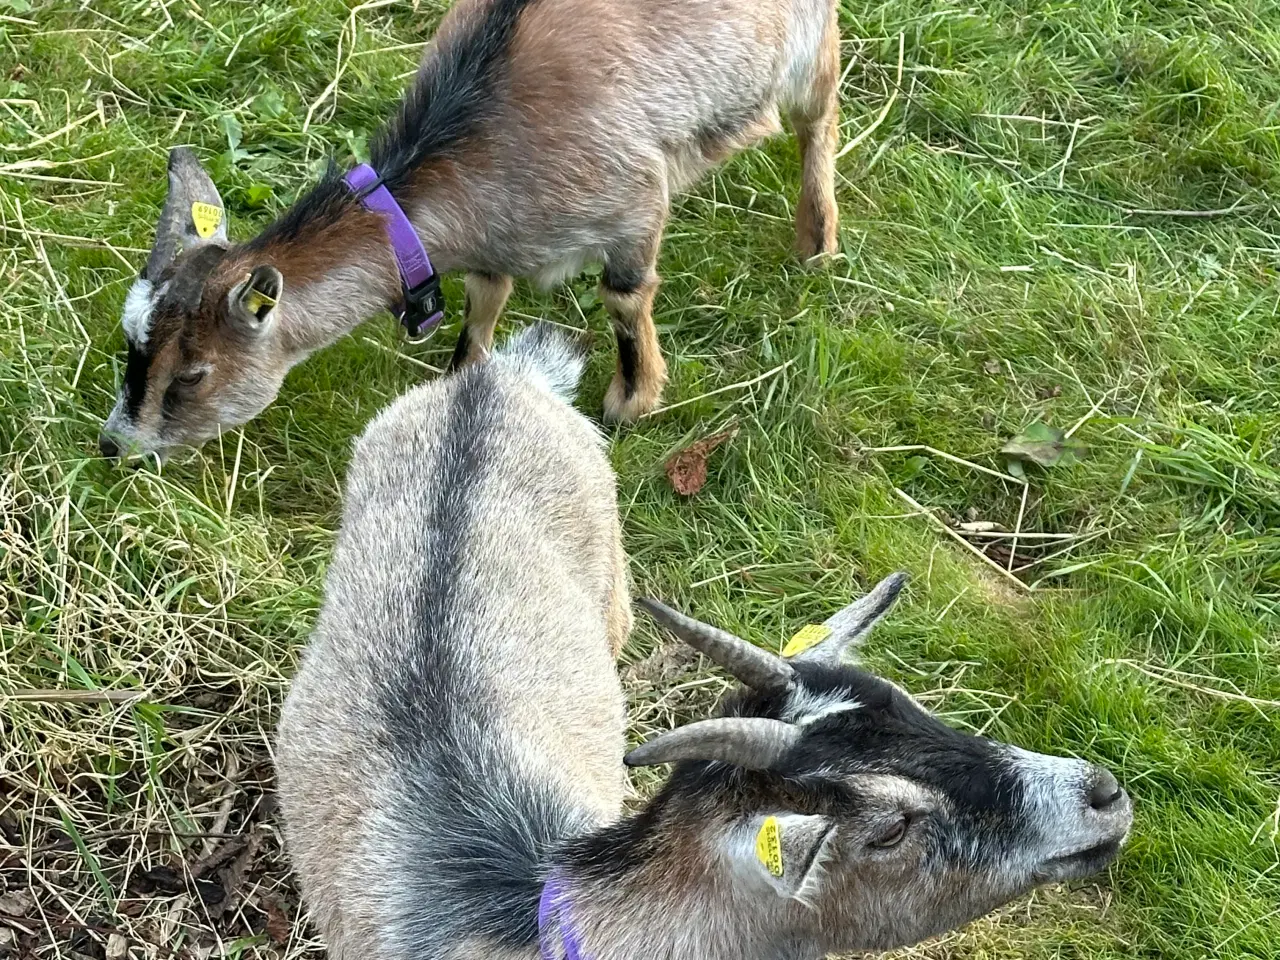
pixel 627 360
pixel 624 278
pixel 463 348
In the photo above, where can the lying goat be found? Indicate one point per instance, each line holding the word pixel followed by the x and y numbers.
pixel 449 755
pixel 540 135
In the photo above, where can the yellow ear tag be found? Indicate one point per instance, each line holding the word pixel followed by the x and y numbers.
pixel 807 636
pixel 255 300
pixel 769 846
pixel 206 217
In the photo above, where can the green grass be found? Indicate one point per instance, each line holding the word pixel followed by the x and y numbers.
pixel 1001 264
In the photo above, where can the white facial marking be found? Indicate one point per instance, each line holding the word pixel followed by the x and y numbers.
pixel 125 432
pixel 136 319
pixel 805 707
pixel 1055 790
pixel 117 421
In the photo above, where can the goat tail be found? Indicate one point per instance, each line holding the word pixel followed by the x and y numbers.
pixel 548 355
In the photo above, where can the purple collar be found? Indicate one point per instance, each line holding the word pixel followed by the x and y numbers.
pixel 423 306
pixel 554 917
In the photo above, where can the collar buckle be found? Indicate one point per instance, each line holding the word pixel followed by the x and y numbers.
pixel 423 309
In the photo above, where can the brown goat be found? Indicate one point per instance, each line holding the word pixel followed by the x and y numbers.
pixel 539 136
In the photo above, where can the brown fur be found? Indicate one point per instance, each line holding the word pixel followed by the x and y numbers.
pixel 599 112
pixel 817 126
pixel 486 296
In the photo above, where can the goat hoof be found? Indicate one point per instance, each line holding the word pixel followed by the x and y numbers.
pixel 816 236
pixel 619 407
pixel 465 354
pixel 815 251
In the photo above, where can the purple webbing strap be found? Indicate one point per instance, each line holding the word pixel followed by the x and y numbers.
pixel 411 255
pixel 554 904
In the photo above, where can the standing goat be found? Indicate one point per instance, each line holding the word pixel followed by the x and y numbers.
pixel 450 755
pixel 539 136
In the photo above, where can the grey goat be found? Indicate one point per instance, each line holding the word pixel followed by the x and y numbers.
pixel 450 755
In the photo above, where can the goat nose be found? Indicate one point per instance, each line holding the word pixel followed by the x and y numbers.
pixel 109 448
pixel 1105 792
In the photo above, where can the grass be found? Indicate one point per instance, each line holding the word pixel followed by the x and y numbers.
pixel 1068 214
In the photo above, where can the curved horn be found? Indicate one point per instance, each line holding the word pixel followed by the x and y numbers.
pixel 756 668
pixel 850 625
pixel 754 743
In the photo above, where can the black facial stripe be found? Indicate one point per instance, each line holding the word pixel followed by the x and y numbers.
pixel 169 403
pixel 888 734
pixel 136 367
pixel 182 295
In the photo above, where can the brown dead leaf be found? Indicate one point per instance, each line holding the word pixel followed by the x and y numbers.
pixel 131 908
pixel 220 854
pixel 278 925
pixel 687 468
pixel 16 903
pixel 234 875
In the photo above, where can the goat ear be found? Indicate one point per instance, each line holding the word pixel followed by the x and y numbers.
pixel 786 851
pixel 251 304
pixel 193 213
pixel 847 628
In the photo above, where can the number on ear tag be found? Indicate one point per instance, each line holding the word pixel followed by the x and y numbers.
pixel 206 217
pixel 769 846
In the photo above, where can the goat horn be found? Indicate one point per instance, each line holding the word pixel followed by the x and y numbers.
pixel 755 667
pixel 851 625
pixel 753 743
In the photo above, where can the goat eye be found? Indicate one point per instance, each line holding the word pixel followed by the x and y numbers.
pixel 891 837
pixel 190 378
